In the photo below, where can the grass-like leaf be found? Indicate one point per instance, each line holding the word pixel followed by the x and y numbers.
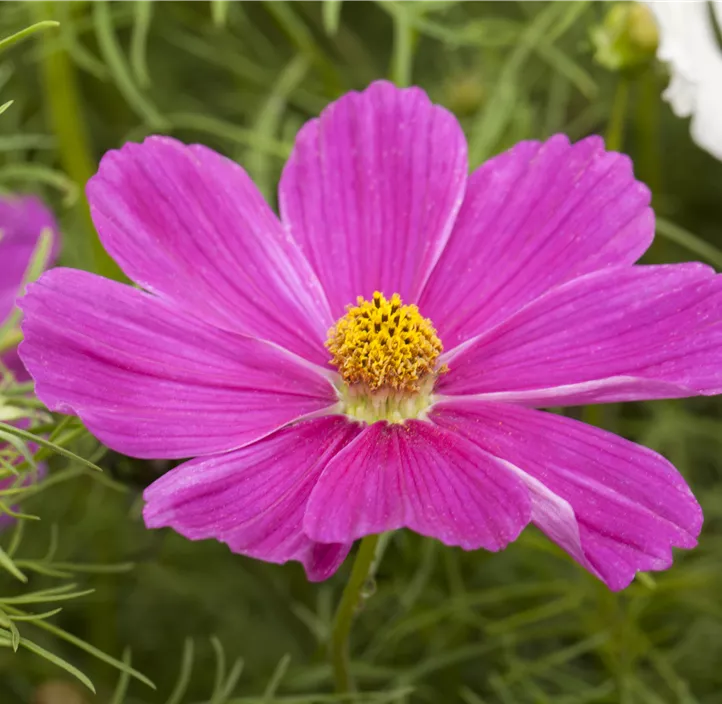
pixel 87 647
pixel 113 55
pixel 692 243
pixel 121 688
pixel 25 33
pixel 58 449
pixel 56 660
pixel 184 674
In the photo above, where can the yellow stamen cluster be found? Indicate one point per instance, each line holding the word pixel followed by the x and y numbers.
pixel 383 344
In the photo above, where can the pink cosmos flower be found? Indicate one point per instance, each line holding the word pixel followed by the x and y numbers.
pixel 22 221
pixel 317 417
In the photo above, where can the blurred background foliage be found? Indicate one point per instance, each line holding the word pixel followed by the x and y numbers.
pixel 440 625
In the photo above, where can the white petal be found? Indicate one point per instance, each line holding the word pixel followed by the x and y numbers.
pixel 689 46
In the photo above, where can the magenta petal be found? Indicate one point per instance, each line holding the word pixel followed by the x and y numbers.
pixel 22 220
pixel 152 381
pixel 535 217
pixel 189 225
pixel 421 477
pixel 254 498
pixel 371 191
pixel 11 361
pixel 615 507
pixel 626 333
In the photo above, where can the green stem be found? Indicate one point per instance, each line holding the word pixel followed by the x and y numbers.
pixel 64 107
pixel 350 599
pixel 403 50
pixel 647 162
pixel 614 137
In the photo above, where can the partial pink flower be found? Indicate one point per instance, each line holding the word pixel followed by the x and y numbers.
pixel 22 220
pixel 374 358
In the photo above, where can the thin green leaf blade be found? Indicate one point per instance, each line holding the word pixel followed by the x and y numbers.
pixel 27 32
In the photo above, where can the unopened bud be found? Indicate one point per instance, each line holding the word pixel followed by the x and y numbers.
pixel 627 38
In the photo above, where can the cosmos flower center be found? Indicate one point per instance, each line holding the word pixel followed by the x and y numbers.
pixel 386 353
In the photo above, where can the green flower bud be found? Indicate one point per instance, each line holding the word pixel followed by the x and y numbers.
pixel 627 39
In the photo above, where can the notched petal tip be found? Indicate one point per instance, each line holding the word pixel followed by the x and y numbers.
pixel 656 332
pixel 152 381
pixel 421 477
pixel 533 218
pixel 253 499
pixel 617 508
pixel 188 224
pixel 371 190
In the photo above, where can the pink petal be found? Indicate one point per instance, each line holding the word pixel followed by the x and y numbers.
pixel 10 360
pixel 621 334
pixel 22 220
pixel 254 498
pixel 152 381
pixel 420 477
pixel 535 217
pixel 189 225
pixel 371 192
pixel 615 507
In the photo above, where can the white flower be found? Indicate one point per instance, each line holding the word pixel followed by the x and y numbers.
pixel 687 43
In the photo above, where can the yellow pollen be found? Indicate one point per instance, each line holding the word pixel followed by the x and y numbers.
pixel 384 344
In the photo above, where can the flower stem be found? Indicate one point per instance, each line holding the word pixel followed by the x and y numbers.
pixel 647 161
pixel 614 137
pixel 346 611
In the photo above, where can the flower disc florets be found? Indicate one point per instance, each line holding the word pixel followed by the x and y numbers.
pixel 387 354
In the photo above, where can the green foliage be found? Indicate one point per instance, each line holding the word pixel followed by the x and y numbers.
pixel 523 626
pixel 25 33
pixel 21 462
